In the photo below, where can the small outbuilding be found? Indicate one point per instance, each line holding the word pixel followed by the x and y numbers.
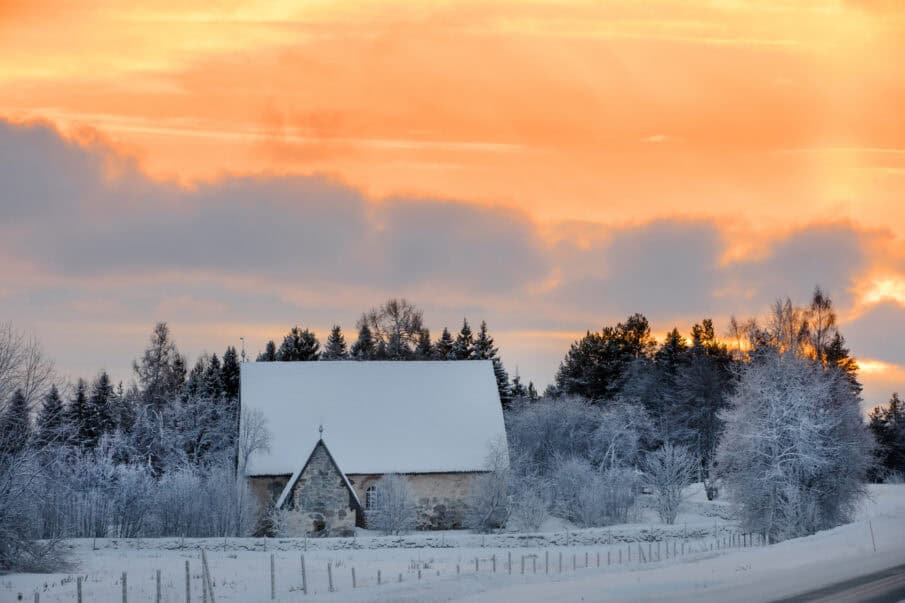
pixel 337 427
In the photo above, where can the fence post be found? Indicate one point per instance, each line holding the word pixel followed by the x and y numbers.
pixel 560 562
pixel 125 588
pixel 586 560
pixel 330 575
pixel 354 585
pixel 188 583
pixel 78 589
pixel 419 573
pixel 598 559
pixel 510 561
pixel 650 556
pixel 203 585
pixel 207 575
pixel 304 577
pixel 872 539
pixel 608 557
pixel 620 555
pixel 533 564
pixel 523 565
pixel 658 550
pixel 273 580
pixel 458 569
pixel 574 566
pixel 158 586
pixel 37 597
pixel 400 576
pixel 547 562
pixel 493 562
pixel 378 577
pixel 477 567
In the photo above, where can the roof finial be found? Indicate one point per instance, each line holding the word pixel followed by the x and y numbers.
pixel 320 430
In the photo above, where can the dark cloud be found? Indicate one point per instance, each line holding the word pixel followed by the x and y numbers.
pixel 879 333
pixel 830 256
pixel 67 213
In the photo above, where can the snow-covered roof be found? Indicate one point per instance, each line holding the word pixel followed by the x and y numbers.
pixel 378 417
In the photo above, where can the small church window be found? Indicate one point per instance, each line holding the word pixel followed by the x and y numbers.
pixel 370 497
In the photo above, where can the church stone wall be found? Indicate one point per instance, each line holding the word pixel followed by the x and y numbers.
pixel 441 498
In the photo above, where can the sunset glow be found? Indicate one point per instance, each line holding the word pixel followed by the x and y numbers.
pixel 761 137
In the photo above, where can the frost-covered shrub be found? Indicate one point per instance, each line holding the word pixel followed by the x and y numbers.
pixel 393 508
pixel 489 503
pixel 795 451
pixel 668 471
pixel 531 498
pixel 590 497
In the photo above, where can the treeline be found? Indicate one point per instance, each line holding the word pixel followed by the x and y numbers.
pixel 395 331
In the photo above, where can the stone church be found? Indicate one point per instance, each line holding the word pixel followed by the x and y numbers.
pixel 337 427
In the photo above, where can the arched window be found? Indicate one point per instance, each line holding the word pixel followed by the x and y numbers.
pixel 370 497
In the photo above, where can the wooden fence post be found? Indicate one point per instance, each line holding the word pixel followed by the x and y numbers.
pixel 477 567
pixel 304 577
pixel 400 576
pixel 78 589
pixel 419 573
pixel 574 566
pixel 493 561
pixel 598 559
pixel 125 588
pixel 872 539
pixel 273 580
pixel 523 565
pixel 158 586
pixel 37 597
pixel 560 562
pixel 378 577
pixel 510 562
pixel 330 575
pixel 207 575
pixel 547 562
pixel 354 585
pixel 586 560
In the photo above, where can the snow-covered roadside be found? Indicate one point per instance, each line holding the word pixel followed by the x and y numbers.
pixel 240 567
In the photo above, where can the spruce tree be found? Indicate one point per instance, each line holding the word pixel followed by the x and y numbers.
pixel 229 374
pixel 837 355
pixel 299 346
pixel 532 392
pixel 213 379
pixel 49 422
pixel 76 416
pixel 519 391
pixel 443 349
pixel 463 348
pixel 15 425
pixel 364 347
pixel 887 423
pixel 336 345
pixel 425 349
pixel 502 382
pixel 269 354
pixel 161 370
pixel 100 410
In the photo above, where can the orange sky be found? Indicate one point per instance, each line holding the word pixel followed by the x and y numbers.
pixel 763 116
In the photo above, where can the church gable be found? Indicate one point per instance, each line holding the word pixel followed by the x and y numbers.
pixel 318 499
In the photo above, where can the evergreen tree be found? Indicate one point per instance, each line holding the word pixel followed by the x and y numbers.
pixel 124 408
pixel 49 423
pixel 15 425
pixel 194 385
pixel 213 379
pixel 100 410
pixel 502 382
pixel 597 366
pixel 299 346
pixel 443 349
pixel 336 346
pixel 364 347
pixel 837 355
pixel 269 354
pixel 425 349
pixel 463 348
pixel 519 391
pixel 77 416
pixel 381 352
pixel 532 392
pixel 484 349
pixel 229 374
pixel 888 426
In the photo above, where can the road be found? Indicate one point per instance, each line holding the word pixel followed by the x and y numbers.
pixel 887 586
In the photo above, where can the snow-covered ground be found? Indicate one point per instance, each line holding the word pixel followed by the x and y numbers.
pixel 241 571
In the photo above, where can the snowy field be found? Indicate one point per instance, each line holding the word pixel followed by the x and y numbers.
pixel 716 565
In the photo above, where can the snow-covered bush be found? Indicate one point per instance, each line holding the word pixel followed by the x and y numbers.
pixel 393 508
pixel 489 503
pixel 531 497
pixel 590 497
pixel 795 451
pixel 668 471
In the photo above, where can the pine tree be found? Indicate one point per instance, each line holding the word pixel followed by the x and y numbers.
pixel 463 348
pixel 519 391
pixel 444 347
pixel 483 348
pixel 15 425
pixel 229 374
pixel 299 346
pixel 49 422
pixel 336 345
pixel 532 392
pixel 364 348
pixel 887 423
pixel 269 354
pixel 100 410
pixel 425 349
